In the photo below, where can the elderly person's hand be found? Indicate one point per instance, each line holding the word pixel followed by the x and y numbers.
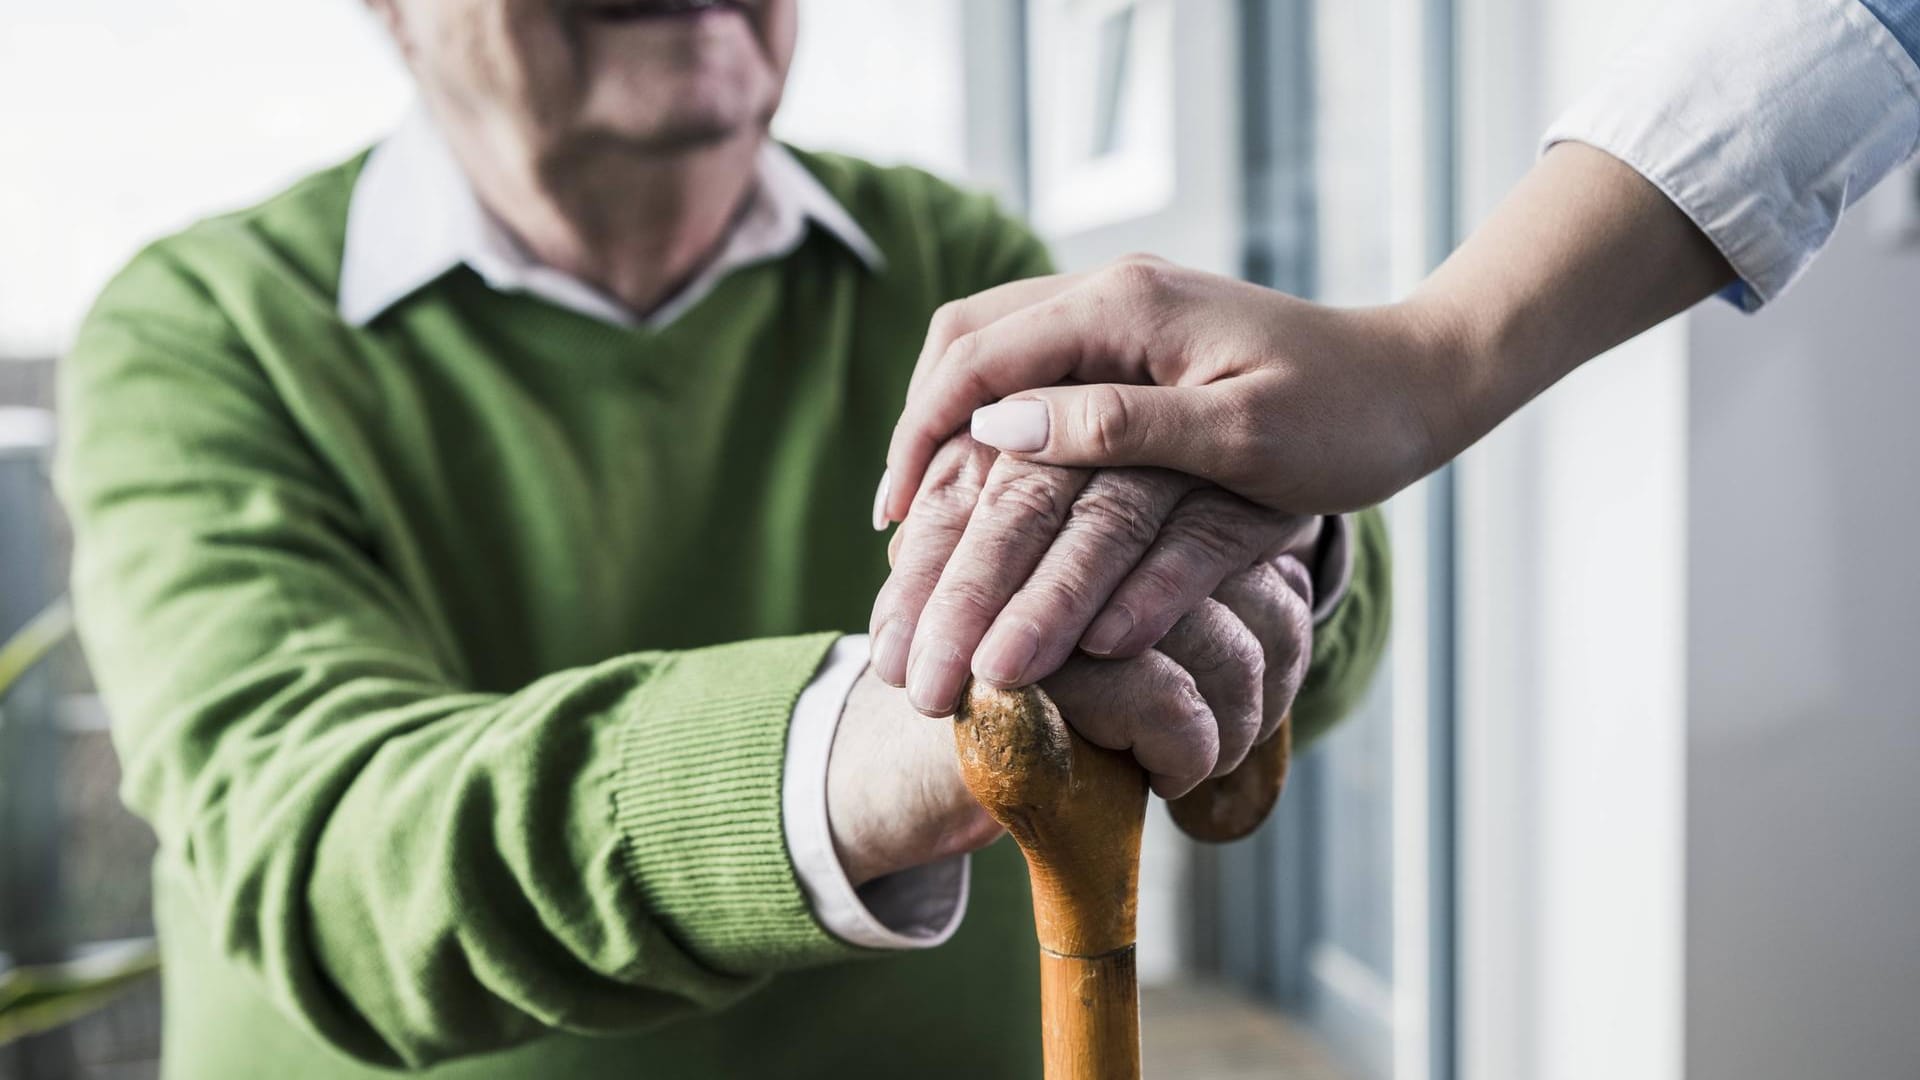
pixel 1190 707
pixel 1023 562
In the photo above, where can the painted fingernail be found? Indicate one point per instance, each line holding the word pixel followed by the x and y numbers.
pixel 880 500
pixel 1004 656
pixel 890 652
pixel 1019 426
pixel 1105 634
pixel 934 684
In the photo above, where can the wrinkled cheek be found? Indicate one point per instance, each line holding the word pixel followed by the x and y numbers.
pixel 538 63
pixel 779 26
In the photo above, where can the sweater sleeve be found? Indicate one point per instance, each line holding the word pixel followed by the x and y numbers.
pixel 413 870
pixel 1348 643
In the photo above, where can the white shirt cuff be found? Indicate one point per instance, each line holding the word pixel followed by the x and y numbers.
pixel 913 909
pixel 1762 122
pixel 1333 568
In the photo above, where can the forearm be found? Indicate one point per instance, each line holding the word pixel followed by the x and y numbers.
pixel 1584 254
pixel 420 874
pixel 1725 144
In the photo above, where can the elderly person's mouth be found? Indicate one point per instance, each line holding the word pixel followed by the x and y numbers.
pixel 636 10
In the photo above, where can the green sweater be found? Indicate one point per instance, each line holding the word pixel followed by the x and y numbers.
pixel 451 658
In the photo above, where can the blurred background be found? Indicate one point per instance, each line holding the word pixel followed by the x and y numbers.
pixel 1634 796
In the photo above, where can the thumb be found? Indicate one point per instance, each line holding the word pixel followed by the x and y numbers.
pixel 1175 427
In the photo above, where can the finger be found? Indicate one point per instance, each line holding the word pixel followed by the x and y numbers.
pixel 1147 705
pixel 1021 509
pixel 1111 525
pixel 1273 604
pixel 1228 666
pixel 909 452
pixel 957 318
pixel 1080 333
pixel 1210 535
pixel 1194 429
pixel 920 549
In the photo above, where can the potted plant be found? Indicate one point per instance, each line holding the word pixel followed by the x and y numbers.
pixel 39 997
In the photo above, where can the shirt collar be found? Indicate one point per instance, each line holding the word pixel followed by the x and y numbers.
pixel 413 216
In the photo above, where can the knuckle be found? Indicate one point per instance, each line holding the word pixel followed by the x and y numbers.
pixel 1031 496
pixel 1239 656
pixel 943 508
pixel 949 465
pixel 962 350
pixel 963 600
pixel 1154 590
pixel 1248 660
pixel 1144 280
pixel 1146 289
pixel 954 479
pixel 949 320
pixel 1104 419
pixel 1290 577
pixel 1109 511
pixel 1207 639
pixel 1050 594
pixel 1203 529
pixel 1168 682
pixel 1266 579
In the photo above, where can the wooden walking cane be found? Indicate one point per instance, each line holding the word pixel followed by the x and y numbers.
pixel 1076 810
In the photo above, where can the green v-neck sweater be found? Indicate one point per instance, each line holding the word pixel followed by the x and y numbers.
pixel 451 658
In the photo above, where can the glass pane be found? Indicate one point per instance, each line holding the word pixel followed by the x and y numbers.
pixel 1349 958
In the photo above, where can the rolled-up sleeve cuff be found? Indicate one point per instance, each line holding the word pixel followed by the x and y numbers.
pixel 1332 566
pixel 913 909
pixel 1761 122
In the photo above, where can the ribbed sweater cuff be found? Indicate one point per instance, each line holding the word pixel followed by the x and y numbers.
pixel 697 804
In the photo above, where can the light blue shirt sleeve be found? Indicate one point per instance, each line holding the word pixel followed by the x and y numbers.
pixel 1902 20
pixel 1763 120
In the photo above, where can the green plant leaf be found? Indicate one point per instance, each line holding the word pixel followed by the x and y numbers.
pixel 34 641
pixel 40 997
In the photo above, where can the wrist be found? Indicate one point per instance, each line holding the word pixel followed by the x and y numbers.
pixel 1435 346
pixel 895 797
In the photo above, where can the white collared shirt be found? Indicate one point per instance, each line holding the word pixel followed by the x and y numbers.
pixel 1762 120
pixel 413 217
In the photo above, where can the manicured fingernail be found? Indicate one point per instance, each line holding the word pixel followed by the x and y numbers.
pixel 1004 656
pixel 890 653
pixel 1106 632
pixel 880 500
pixel 1019 426
pixel 934 684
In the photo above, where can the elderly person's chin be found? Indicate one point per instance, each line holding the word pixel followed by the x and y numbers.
pixel 567 75
pixel 696 74
pixel 662 111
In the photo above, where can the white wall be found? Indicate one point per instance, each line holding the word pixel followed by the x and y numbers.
pixel 879 80
pixel 1690 607
pixel 1803 772
pixel 1572 615
pixel 1201 224
pixel 128 119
